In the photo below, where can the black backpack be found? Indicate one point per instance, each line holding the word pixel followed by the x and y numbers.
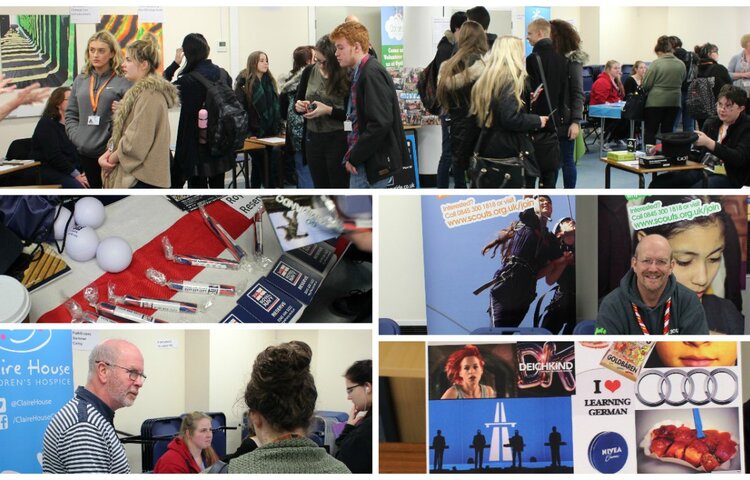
pixel 427 88
pixel 227 119
pixel 700 102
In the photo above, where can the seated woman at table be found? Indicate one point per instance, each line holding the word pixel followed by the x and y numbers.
pixel 726 137
pixel 190 451
pixel 51 146
pixel 636 78
pixel 355 441
pixel 258 93
pixel 608 88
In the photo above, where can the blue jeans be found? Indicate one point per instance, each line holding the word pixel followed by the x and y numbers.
pixel 688 122
pixel 360 180
pixel 444 166
pixel 568 162
pixel 304 179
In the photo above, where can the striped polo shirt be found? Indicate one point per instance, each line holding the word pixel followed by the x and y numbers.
pixel 81 438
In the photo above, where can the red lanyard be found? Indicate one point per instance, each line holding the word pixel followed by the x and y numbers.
pixel 95 98
pixel 643 325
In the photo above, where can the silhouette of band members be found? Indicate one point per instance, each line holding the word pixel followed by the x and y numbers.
pixel 479 443
pixel 439 445
pixel 516 447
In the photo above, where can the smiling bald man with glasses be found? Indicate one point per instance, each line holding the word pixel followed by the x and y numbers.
pixel 81 437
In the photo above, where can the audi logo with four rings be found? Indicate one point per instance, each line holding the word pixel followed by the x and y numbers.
pixel 670 380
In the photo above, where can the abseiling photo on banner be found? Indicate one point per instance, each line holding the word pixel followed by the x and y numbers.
pixel 38 48
pixel 499 261
pixel 708 238
pixel 501 408
pixel 657 407
pixel 36 380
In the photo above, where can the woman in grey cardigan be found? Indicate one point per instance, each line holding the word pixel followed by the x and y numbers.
pixel 739 65
pixel 663 84
pixel 88 118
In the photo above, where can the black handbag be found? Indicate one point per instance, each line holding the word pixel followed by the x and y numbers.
pixel 635 105
pixel 546 142
pixel 509 172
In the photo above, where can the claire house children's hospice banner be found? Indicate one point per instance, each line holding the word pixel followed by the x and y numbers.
pixel 36 380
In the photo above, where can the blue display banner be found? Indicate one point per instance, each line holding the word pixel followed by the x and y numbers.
pixel 36 380
pixel 531 14
pixel 392 36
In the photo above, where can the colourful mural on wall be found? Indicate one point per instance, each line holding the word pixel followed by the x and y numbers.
pixel 38 48
pixel 127 29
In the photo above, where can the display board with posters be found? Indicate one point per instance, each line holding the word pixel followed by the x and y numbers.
pixel 585 407
pixel 499 261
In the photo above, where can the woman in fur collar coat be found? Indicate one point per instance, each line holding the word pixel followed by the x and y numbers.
pixel 138 153
pixel 455 80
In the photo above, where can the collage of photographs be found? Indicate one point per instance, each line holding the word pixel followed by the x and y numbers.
pixel 485 208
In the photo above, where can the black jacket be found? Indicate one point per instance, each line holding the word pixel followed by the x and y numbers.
pixel 51 146
pixel 735 150
pixel 508 134
pixel 336 114
pixel 381 146
pixel 459 86
pixel 189 159
pixel 572 106
pixel 707 69
pixel 556 72
pixel 355 446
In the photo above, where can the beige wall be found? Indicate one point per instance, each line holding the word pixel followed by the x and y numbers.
pixel 208 370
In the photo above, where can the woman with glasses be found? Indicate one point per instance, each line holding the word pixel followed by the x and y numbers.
pixel 281 397
pixel 724 143
pixel 190 451
pixel 355 442
pixel 322 97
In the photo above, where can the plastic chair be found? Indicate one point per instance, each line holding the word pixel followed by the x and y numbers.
pixel 511 331
pixel 586 327
pixel 19 149
pixel 388 327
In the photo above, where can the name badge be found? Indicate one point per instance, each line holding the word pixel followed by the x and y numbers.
pixel 93 120
pixel 348 126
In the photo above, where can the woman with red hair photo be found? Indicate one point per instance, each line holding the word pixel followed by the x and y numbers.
pixel 464 369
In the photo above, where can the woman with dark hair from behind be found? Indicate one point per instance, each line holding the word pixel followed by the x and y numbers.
pixel 663 84
pixel 708 67
pixel 321 100
pixel 455 80
pixel 281 397
pixel 192 160
pixel 355 442
pixel 567 42
pixel 288 86
pixel 51 146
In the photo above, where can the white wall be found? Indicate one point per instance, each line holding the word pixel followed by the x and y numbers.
pixel 401 290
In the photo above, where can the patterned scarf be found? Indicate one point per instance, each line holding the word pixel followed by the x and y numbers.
pixel 266 103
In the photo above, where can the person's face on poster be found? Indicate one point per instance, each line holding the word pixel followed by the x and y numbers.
pixel 652 266
pixel 543 207
pixel 697 354
pixel 697 254
pixel 471 372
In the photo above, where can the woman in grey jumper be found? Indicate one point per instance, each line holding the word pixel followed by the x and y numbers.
pixel 93 99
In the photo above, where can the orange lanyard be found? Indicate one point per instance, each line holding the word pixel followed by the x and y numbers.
pixel 95 97
pixel 641 324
